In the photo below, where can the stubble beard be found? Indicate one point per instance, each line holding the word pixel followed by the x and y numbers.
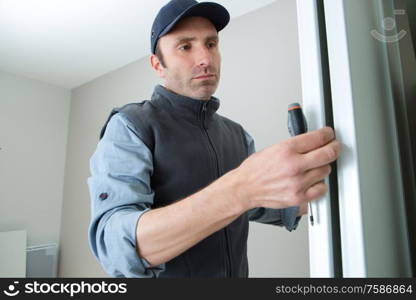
pixel 196 88
pixel 204 88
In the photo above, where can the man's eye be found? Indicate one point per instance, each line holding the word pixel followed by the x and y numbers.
pixel 212 44
pixel 184 47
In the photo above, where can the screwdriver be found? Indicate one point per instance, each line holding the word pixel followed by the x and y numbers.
pixel 296 124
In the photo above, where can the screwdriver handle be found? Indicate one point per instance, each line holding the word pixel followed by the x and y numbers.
pixel 296 120
pixel 296 124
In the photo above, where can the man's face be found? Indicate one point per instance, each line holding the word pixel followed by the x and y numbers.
pixel 192 59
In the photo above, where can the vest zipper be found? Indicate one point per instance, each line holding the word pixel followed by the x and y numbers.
pixel 228 250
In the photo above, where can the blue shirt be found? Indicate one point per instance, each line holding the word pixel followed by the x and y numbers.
pixel 120 191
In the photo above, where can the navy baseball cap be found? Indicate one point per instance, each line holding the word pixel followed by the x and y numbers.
pixel 175 10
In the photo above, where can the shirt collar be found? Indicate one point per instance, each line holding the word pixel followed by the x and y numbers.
pixel 190 107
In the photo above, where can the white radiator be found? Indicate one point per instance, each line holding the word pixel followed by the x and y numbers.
pixel 42 261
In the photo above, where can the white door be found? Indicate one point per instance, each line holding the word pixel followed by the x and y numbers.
pixel 353 79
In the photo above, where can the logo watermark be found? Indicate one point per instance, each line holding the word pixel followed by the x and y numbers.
pixel 70 289
pixel 389 24
pixel 11 291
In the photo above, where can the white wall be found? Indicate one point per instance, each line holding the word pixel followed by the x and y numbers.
pixel 260 77
pixel 33 134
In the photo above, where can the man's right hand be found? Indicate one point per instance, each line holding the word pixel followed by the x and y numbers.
pixel 289 173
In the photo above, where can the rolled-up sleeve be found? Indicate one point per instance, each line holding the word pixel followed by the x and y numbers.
pixel 120 194
pixel 287 217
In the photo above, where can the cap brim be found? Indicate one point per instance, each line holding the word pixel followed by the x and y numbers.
pixel 214 12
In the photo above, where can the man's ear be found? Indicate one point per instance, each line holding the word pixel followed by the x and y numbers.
pixel 157 65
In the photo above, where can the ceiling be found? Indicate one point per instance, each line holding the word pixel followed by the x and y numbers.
pixel 70 42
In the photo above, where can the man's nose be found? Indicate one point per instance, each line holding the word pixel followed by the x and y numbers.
pixel 204 57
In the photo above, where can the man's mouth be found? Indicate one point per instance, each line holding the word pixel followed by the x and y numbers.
pixel 205 76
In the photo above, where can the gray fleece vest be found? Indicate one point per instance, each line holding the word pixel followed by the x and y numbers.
pixel 192 146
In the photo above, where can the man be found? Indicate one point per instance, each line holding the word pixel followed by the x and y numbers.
pixel 174 184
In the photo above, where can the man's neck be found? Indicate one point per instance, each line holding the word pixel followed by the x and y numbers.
pixel 189 96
